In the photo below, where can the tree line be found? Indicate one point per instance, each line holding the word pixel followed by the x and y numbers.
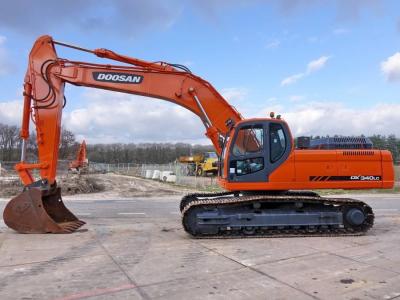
pixel 151 153
pixel 10 144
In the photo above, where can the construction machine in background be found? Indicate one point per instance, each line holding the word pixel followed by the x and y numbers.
pixel 81 164
pixel 266 179
pixel 200 164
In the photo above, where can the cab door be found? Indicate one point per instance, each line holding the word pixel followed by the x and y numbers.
pixel 257 149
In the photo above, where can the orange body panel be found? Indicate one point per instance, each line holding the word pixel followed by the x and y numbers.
pixel 326 169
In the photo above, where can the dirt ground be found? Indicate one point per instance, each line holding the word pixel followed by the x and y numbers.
pixel 113 186
pixel 99 186
pixel 122 186
pixel 9 186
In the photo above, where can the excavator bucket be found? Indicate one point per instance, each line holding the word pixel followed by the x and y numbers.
pixel 32 212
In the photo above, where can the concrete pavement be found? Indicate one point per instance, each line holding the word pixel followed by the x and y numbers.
pixel 137 249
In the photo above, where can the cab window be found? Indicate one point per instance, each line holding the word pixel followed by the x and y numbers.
pixel 249 165
pixel 249 140
pixel 277 141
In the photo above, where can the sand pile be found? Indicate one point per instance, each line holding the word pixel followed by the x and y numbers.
pixel 70 185
pixel 4 172
pixel 76 184
pixel 10 187
pixel 100 186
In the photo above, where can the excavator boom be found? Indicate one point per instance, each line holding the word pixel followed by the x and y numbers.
pixel 44 100
pixel 44 86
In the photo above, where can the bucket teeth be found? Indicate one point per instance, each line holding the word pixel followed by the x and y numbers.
pixel 69 227
pixel 32 212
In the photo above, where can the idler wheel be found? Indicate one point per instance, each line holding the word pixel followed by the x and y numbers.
pixel 355 216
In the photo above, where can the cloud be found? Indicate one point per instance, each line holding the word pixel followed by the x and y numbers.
pixel 312 66
pixel 391 68
pixel 296 98
pixel 236 97
pixel 273 44
pixel 110 117
pixel 234 94
pixel 132 17
pixel 317 64
pixel 327 118
pixel 292 79
pixel 313 39
pixel 351 10
pixel 343 10
pixel 340 31
pixel 5 65
pixel 123 17
pixel 11 112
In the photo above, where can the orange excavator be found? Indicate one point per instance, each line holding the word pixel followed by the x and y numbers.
pixel 81 163
pixel 266 179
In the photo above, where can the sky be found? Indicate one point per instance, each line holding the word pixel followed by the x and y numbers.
pixel 328 67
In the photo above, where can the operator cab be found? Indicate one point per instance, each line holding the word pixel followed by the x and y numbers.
pixel 254 149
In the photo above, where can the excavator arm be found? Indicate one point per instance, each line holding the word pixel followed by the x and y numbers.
pixel 40 208
pixel 44 96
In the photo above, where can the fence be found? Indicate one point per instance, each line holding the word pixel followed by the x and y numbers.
pixel 173 172
pixel 7 168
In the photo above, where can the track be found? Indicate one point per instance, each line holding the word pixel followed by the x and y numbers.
pixel 230 215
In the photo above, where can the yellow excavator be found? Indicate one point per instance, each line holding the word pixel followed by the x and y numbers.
pixel 200 164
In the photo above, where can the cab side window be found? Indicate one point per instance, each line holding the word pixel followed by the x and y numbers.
pixel 278 142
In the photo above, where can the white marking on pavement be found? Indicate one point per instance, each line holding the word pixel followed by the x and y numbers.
pixel 132 213
pixel 83 214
